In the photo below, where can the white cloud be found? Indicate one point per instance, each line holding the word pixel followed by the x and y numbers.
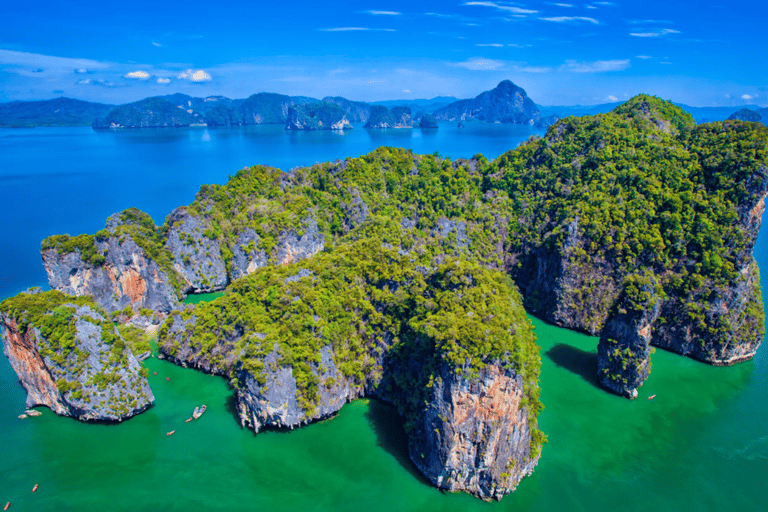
pixel 81 71
pixel 383 13
pixel 665 62
pixel 659 33
pixel 86 81
pixel 644 57
pixel 562 5
pixel 495 45
pixel 598 66
pixel 406 90
pixel 24 62
pixel 746 97
pixel 163 80
pixel 533 69
pixel 137 75
pixel 479 63
pixel 563 19
pixel 516 10
pixel 156 44
pixel 613 98
pixel 194 75
pixel 649 22
pixel 355 29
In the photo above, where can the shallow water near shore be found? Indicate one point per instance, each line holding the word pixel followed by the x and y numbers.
pixel 701 444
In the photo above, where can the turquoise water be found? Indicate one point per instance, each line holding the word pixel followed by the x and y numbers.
pixel 702 444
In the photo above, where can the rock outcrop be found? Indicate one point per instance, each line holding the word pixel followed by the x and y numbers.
pixel 317 116
pixel 196 252
pixel 428 122
pixel 70 358
pixel 474 433
pixel 357 111
pixel 124 276
pixel 382 117
pixel 677 289
pixel 469 424
pixel 156 112
pixel 247 256
pixel 507 103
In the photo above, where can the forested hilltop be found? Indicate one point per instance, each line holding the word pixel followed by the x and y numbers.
pixel 389 275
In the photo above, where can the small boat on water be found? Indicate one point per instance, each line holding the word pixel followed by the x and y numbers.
pixel 34 488
pixel 199 411
pixel 168 379
pixel 170 433
pixel 651 397
pixel 7 506
pixel 188 420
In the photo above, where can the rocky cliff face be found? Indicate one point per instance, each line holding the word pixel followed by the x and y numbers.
pixel 87 374
pixel 357 112
pixel 680 290
pixel 126 277
pixel 507 103
pixel 195 256
pixel 293 246
pixel 301 352
pixel 473 434
pixel 317 116
pixel 382 117
pixel 246 254
pixel 154 112
pixel 428 121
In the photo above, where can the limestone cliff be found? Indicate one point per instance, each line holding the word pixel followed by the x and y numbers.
pixel 507 103
pixel 382 117
pixel 317 116
pixel 70 358
pixel 124 275
pixel 301 352
pixel 196 257
pixel 649 265
pixel 473 434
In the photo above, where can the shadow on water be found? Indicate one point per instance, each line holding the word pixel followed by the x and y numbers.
pixel 575 360
pixel 389 428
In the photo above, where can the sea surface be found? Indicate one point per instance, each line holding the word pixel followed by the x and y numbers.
pixel 700 445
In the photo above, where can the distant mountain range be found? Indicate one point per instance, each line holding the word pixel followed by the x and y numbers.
pixel 507 103
pixel 55 112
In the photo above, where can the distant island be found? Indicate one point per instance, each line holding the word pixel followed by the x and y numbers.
pixel 507 103
pixel 408 277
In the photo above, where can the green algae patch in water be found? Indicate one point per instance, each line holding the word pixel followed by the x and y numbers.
pixel 202 297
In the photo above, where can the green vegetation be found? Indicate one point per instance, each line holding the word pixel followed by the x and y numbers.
pixel 652 192
pixel 363 299
pixel 316 116
pixel 53 315
pixel 134 223
pixel 84 244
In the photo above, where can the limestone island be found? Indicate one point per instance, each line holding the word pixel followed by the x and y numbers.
pixel 404 277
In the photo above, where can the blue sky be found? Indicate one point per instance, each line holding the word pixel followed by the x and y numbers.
pixel 562 53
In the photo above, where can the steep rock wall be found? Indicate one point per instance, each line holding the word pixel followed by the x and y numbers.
pixel 87 381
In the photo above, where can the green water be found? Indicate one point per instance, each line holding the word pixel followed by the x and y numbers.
pixel 700 444
pixel 202 297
